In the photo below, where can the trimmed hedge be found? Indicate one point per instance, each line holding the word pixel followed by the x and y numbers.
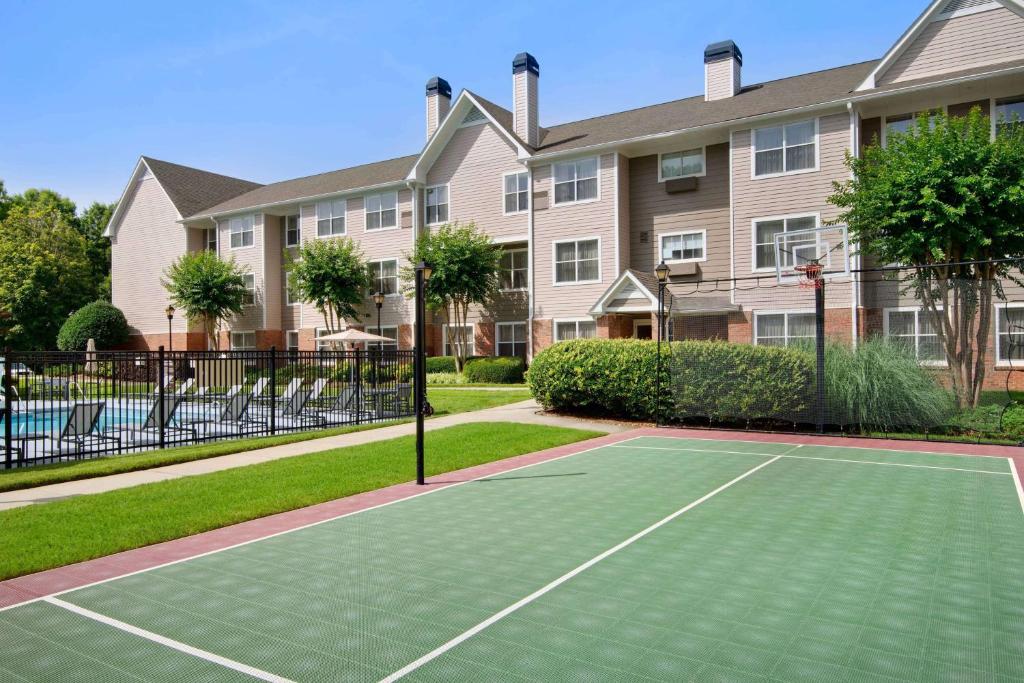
pixel 498 370
pixel 447 363
pixel 100 321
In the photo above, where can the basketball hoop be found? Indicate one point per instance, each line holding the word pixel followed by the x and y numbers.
pixel 812 275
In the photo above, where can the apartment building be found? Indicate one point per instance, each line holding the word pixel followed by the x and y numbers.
pixel 584 210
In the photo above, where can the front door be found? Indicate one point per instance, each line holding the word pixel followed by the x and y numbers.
pixel 642 330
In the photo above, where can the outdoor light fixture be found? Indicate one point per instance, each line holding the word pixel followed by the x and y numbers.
pixel 426 270
pixel 378 299
pixel 662 272
pixel 169 312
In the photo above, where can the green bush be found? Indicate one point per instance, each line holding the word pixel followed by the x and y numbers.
pixel 498 370
pixel 100 321
pixel 440 364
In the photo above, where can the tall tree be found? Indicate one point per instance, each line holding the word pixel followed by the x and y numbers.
pixel 42 201
pixel 91 224
pixel 208 289
pixel 4 201
pixel 332 275
pixel 945 200
pixel 465 266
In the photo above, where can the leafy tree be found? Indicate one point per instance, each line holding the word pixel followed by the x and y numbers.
pixel 938 199
pixel 44 201
pixel 44 275
pixel 465 267
pixel 91 224
pixel 333 276
pixel 4 201
pixel 208 289
pixel 100 321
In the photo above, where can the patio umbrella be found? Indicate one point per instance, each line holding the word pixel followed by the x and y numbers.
pixel 91 366
pixel 353 336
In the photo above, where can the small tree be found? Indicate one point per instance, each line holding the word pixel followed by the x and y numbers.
pixel 100 321
pixel 944 200
pixel 465 267
pixel 208 289
pixel 332 275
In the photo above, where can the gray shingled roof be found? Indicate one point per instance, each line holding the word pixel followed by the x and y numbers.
pixel 367 175
pixel 192 190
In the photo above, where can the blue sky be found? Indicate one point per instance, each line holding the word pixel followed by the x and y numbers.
pixel 274 90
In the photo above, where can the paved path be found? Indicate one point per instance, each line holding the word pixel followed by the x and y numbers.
pixel 521 412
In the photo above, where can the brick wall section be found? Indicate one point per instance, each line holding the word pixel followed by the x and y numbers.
pixel 406 337
pixel 542 334
pixel 837 326
pixel 483 339
pixel 615 327
pixel 701 327
pixel 183 341
pixel 266 339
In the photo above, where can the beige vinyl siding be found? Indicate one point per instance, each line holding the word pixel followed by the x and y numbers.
pixel 625 195
pixel 273 276
pixel 721 79
pixel 572 221
pixel 251 260
pixel 796 194
pixel 148 240
pixel 960 43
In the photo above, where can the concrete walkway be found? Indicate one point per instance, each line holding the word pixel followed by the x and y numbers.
pixel 521 412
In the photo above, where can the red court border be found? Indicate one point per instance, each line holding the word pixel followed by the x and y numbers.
pixel 32 586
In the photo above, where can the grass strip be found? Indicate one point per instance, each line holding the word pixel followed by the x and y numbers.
pixel 39 537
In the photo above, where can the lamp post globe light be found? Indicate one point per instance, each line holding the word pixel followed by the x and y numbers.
pixel 420 405
pixel 169 312
pixel 661 271
pixel 378 300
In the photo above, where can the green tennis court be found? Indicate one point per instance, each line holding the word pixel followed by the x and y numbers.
pixel 655 558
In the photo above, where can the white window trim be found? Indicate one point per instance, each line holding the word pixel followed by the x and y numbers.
pixel 703 163
pixel 511 324
pixel 817 151
pixel 786 312
pixel 298 225
pixel 288 290
pixel 553 204
pixel 398 212
pixel 373 329
pixel 917 310
pixel 944 108
pixel 252 229
pixel 255 302
pixel 448 191
pixel 762 219
pixel 529 198
pixel 555 322
pixel 471 340
pixel 231 339
pixel 398 275
pixel 316 214
pixel 680 233
pixel 554 262
pixel 641 322
pixel 521 289
pixel 992 104
pixel 298 340
pixel 206 239
pixel 1004 364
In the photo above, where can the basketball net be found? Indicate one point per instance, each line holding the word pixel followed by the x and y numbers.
pixel 812 275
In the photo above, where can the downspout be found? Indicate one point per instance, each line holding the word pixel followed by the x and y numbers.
pixel 529 268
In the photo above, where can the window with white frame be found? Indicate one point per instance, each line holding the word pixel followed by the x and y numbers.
pixel 1009 114
pixel 575 329
pixel 330 218
pixel 683 246
pixel 906 123
pixel 291 340
pixel 291 297
pixel 241 232
pixel 513 269
pixel 785 149
pixel 578 261
pixel 437 204
pixel 381 210
pixel 452 340
pixel 322 345
pixel 292 234
pixel 249 299
pixel 210 238
pixel 243 341
pixel 783 329
pixel 517 192
pixel 918 331
pixel 682 164
pixel 510 339
pixel 575 181
pixel 384 276
pixel 764 238
pixel 1009 334
pixel 389 331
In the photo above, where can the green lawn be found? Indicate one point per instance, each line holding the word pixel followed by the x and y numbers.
pixel 444 402
pixel 39 537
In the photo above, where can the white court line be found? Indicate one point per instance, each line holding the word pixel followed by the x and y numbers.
pixel 811 457
pixel 304 526
pixel 437 652
pixel 1016 482
pixel 168 642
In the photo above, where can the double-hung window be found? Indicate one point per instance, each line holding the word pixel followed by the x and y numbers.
pixel 575 329
pixel 452 340
pixel 578 261
pixel 381 210
pixel 517 192
pixel 1009 114
pixel 389 331
pixel 511 339
pixel 437 204
pixel 291 297
pixel 901 124
pixel 575 181
pixel 330 218
pixel 292 236
pixel 291 340
pixel 243 341
pixel 249 299
pixel 764 239
pixel 322 345
pixel 785 149
pixel 918 330
pixel 783 329
pixel 211 239
pixel 683 246
pixel 513 269
pixel 384 275
pixel 241 232
pixel 682 164
pixel 1009 334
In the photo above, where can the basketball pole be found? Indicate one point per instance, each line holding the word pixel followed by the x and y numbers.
pixel 819 342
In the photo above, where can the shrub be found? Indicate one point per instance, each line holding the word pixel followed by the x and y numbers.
pixel 100 321
pixel 499 370
pixel 440 364
pixel 445 378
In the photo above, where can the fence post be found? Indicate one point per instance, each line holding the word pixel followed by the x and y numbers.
pixel 819 343
pixel 273 389
pixel 8 414
pixel 160 378
pixel 359 397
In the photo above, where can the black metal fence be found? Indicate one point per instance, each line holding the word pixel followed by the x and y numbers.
pixel 66 406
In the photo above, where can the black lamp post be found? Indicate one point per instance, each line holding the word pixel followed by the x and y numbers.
pixel 662 272
pixel 169 311
pixel 420 405
pixel 378 299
